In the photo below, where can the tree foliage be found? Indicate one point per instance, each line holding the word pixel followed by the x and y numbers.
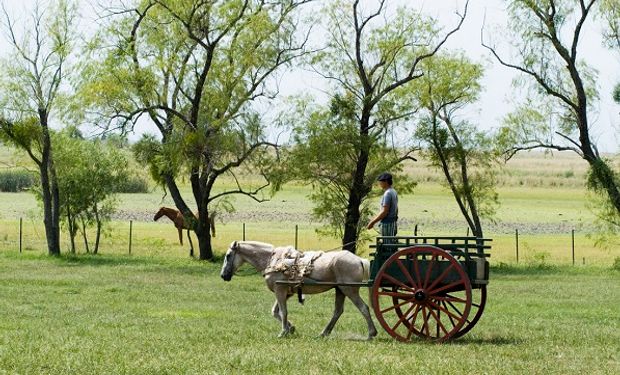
pixel 197 70
pixel 327 144
pixel 89 174
pixel 560 86
pixel 370 55
pixel 466 155
pixel 31 91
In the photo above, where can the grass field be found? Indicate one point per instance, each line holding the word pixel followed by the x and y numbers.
pixel 544 218
pixel 159 312
pixel 153 315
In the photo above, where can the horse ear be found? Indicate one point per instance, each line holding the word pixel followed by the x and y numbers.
pixel 234 245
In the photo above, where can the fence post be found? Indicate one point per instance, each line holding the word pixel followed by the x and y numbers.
pixel 20 235
pixel 573 245
pixel 130 234
pixel 517 243
pixel 243 232
pixel 296 236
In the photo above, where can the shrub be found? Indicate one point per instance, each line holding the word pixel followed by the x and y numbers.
pixel 133 184
pixel 616 265
pixel 16 180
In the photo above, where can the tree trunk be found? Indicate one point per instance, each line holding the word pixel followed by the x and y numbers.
pixel 357 192
pixel 204 241
pixel 49 188
pixel 85 236
pixel 98 235
pixel 72 230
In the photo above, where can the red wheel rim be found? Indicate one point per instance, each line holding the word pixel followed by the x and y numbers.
pixel 421 291
pixel 479 300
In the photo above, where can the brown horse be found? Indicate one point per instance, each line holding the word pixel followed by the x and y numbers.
pixel 181 223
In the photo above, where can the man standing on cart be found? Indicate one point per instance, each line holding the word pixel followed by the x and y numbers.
pixel 388 215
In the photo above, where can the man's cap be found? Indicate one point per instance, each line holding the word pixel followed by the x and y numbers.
pixel 384 177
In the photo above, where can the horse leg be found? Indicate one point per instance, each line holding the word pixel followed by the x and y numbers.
pixel 275 311
pixel 338 309
pixel 191 245
pixel 354 295
pixel 281 298
pixel 180 235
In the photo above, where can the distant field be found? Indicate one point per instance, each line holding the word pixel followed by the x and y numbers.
pixel 541 196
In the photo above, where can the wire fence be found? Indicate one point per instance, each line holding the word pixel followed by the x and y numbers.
pixel 148 238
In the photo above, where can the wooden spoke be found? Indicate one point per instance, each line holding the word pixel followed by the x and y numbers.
pixel 398 282
pixel 441 277
pixel 438 307
pixel 430 270
pixel 395 306
pixel 403 318
pixel 438 320
pixel 449 317
pixel 397 295
pixel 416 267
pixel 449 298
pixel 425 325
pixel 456 283
pixel 406 273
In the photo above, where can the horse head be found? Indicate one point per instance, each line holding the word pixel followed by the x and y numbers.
pixel 159 213
pixel 232 261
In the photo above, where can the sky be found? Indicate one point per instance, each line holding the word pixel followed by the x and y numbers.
pixel 498 96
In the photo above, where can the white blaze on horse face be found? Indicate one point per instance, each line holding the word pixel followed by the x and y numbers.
pixel 226 272
pixel 232 262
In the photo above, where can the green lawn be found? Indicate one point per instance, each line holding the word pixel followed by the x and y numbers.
pixel 158 315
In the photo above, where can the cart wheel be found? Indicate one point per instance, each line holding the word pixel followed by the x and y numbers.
pixel 422 291
pixel 479 300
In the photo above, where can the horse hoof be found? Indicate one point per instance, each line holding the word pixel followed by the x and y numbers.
pixel 283 334
pixel 291 330
pixel 372 335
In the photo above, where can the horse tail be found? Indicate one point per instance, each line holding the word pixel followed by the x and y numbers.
pixel 365 269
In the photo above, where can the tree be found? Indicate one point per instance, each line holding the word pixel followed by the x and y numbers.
pixel 30 91
pixel 466 156
pixel 89 173
pixel 561 87
pixel 370 58
pixel 196 69
pixel 610 11
pixel 325 153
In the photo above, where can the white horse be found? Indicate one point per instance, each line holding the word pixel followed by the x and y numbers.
pixel 336 267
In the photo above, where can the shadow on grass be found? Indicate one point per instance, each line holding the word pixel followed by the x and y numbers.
pixel 495 341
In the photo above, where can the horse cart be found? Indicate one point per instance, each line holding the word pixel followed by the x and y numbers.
pixel 429 287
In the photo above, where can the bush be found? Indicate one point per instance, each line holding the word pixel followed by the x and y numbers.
pixel 133 184
pixel 16 181
pixel 616 265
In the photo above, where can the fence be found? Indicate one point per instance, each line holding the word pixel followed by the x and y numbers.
pixel 147 238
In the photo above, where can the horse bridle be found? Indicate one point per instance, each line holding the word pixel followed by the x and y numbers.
pixel 234 248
